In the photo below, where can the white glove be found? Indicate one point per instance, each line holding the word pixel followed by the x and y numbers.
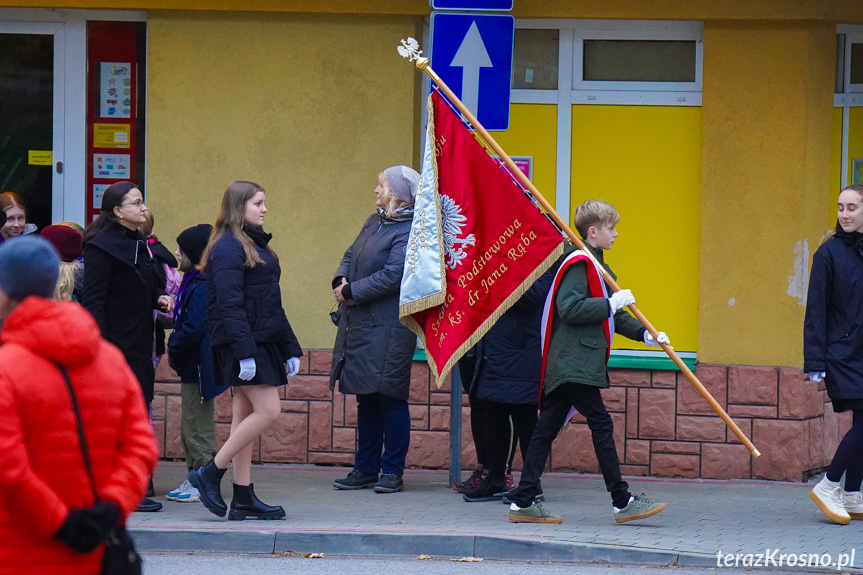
pixel 620 300
pixel 817 376
pixel 293 364
pixel 247 369
pixel 650 342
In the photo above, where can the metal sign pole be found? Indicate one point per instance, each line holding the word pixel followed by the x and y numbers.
pixel 455 427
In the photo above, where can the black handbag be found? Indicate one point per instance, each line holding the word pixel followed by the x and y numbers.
pixel 120 555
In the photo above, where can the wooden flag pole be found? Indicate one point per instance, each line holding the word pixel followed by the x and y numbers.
pixel 424 65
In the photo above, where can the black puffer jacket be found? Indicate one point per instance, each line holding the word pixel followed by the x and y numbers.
pixel 244 305
pixel 121 290
pixel 505 366
pixel 833 328
pixel 373 350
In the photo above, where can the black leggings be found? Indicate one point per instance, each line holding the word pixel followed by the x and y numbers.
pixel 848 458
pixel 506 424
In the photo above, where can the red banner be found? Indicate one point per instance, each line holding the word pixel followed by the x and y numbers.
pixel 494 242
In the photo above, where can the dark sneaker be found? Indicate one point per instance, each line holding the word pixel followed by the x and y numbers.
pixel 356 480
pixel 389 483
pixel 506 497
pixel 639 507
pixel 487 490
pixel 509 483
pixel 471 482
pixel 533 514
pixel 147 505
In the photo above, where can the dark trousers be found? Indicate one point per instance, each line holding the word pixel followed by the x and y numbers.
pixel 383 422
pixel 848 458
pixel 588 401
pixel 505 425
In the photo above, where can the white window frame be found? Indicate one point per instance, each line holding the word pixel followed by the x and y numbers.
pixel 70 83
pixel 851 98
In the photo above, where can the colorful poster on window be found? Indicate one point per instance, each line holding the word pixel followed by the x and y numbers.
pixel 525 164
pixel 115 90
pixel 111 135
pixel 113 166
pixel 98 190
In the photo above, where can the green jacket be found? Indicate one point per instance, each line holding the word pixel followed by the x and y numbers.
pixel 577 352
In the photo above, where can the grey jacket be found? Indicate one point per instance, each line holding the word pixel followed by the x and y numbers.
pixel 373 350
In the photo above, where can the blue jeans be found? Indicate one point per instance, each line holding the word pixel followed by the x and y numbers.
pixel 384 423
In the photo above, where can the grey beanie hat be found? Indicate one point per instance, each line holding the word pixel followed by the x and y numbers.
pixel 404 181
pixel 29 265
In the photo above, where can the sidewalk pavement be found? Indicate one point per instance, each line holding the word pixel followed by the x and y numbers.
pixel 703 518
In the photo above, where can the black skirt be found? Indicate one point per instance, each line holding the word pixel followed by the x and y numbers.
pixel 269 366
pixel 840 405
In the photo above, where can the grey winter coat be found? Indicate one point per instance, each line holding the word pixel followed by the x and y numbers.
pixel 373 350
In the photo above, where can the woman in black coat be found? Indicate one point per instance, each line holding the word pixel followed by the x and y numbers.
pixel 121 282
pixel 833 351
pixel 373 350
pixel 252 341
pixel 122 285
pixel 501 373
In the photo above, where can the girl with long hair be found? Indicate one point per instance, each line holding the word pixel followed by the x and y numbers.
pixel 252 343
pixel 833 351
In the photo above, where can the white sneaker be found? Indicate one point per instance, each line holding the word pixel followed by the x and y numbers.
pixel 185 493
pixel 853 503
pixel 827 495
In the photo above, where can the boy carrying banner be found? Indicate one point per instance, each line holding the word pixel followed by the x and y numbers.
pixel 579 322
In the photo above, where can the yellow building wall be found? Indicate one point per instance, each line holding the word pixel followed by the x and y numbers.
pixel 533 132
pixel 646 161
pixel 310 107
pixel 768 111
pixel 855 144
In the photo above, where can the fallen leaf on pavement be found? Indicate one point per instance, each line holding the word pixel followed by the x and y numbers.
pixel 424 557
pixel 314 555
pixel 468 559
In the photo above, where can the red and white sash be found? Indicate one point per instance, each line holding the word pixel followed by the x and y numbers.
pixel 597 289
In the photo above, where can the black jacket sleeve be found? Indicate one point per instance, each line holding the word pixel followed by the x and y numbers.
pixel 387 280
pixel 226 270
pixel 98 266
pixel 817 302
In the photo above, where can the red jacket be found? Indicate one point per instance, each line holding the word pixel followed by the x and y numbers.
pixel 42 473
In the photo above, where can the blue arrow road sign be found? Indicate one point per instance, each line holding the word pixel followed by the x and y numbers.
pixel 472 53
pixel 503 5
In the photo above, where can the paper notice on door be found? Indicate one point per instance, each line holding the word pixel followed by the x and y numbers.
pixel 112 166
pixel 39 157
pixel 111 135
pixel 115 90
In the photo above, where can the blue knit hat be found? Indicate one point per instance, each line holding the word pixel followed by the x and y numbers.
pixel 29 265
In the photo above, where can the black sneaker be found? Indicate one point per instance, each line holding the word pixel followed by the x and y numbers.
pixel 389 483
pixel 356 480
pixel 471 482
pixel 507 496
pixel 488 490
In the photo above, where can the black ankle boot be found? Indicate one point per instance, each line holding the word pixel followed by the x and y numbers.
pixel 246 505
pixel 207 480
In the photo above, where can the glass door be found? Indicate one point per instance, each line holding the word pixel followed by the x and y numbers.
pixel 32 117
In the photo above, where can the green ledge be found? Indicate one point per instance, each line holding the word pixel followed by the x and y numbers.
pixel 627 360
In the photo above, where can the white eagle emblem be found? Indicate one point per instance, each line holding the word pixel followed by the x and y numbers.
pixel 452 224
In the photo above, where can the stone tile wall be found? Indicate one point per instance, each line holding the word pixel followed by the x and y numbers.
pixel 663 427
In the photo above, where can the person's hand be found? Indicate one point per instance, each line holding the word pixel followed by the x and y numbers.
pixel 80 532
pixel 620 300
pixel 247 369
pixel 337 292
pixel 166 303
pixel 817 376
pixel 649 341
pixel 293 364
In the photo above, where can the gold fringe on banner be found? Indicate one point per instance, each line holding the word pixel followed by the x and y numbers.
pixel 477 335
pixel 436 299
